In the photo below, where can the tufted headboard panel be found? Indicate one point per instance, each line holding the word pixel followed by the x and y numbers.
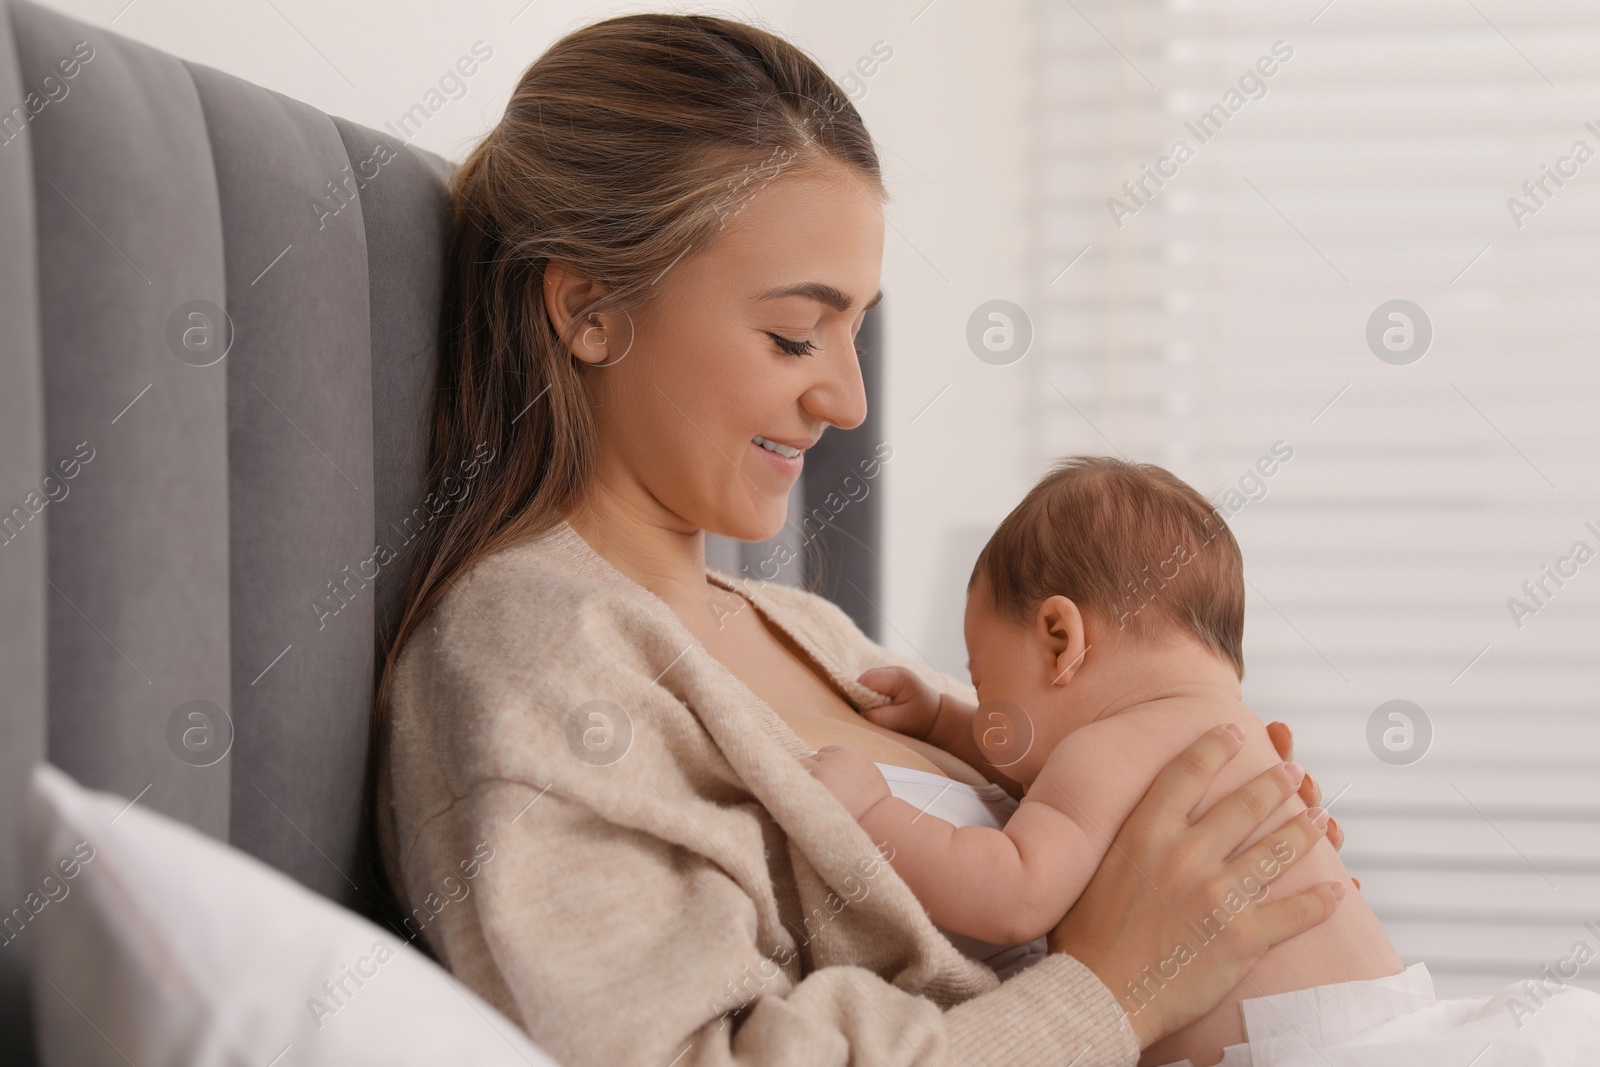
pixel 219 308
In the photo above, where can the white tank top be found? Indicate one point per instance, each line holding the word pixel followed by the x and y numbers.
pixel 963 805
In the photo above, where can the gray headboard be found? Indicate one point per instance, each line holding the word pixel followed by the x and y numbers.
pixel 187 517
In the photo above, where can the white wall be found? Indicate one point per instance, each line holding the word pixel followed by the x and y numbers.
pixel 948 109
pixel 950 113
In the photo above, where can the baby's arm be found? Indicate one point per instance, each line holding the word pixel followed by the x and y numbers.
pixel 1003 886
pixel 1006 887
pixel 1013 886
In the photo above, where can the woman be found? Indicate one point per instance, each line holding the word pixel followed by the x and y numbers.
pixel 588 796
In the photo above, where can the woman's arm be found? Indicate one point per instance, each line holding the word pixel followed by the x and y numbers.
pixel 620 927
pixel 644 906
pixel 615 946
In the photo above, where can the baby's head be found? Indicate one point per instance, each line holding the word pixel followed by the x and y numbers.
pixel 1143 558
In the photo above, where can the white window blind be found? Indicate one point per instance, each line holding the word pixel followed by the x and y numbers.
pixel 1224 312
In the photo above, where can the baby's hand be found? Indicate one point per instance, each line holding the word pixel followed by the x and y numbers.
pixel 849 775
pixel 913 703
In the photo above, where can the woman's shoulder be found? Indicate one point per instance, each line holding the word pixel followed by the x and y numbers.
pixel 545 584
pixel 536 616
pixel 522 656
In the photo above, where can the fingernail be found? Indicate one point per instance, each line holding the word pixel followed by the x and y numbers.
pixel 1236 730
pixel 1319 817
pixel 1338 890
pixel 1297 774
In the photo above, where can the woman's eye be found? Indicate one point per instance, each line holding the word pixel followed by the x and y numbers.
pixel 793 348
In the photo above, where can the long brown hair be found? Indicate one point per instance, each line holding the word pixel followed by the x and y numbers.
pixel 625 146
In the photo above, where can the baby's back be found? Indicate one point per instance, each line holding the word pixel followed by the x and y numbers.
pixel 1349 946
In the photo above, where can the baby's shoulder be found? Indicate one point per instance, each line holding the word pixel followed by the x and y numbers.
pixel 1120 756
pixel 1172 723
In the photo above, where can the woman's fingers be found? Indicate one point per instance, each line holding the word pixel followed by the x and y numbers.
pixel 1184 781
pixel 1237 816
pixel 1273 854
pixel 1282 739
pixel 1310 790
pixel 1280 920
pixel 1252 874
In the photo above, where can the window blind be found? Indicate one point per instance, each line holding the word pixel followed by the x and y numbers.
pixel 1213 306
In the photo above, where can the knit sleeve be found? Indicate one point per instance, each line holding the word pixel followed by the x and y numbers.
pixel 623 907
pixel 614 947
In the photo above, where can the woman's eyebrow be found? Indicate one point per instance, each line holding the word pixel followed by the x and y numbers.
pixel 821 292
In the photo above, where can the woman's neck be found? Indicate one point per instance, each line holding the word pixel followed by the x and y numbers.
pixel 644 542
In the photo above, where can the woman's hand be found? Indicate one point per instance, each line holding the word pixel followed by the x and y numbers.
pixel 850 776
pixel 1310 791
pixel 1135 924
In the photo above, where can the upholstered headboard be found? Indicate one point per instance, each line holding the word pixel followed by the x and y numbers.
pixel 173 507
pixel 218 310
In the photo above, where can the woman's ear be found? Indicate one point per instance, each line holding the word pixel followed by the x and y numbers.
pixel 565 293
pixel 1059 625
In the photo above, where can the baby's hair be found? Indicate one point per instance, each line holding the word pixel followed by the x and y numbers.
pixel 1131 543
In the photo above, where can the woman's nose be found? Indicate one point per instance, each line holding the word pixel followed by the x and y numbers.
pixel 839 396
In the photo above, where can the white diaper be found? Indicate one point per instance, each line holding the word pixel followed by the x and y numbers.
pixel 1397 1022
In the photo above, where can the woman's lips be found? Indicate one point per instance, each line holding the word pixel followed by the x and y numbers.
pixel 782 463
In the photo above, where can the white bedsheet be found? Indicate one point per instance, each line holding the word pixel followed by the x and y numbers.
pixel 1398 1022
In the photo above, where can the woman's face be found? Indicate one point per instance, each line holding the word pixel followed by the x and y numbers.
pixel 706 373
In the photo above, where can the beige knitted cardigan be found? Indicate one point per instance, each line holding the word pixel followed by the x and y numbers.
pixel 678 890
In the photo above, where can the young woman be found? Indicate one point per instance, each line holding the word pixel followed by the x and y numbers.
pixel 587 795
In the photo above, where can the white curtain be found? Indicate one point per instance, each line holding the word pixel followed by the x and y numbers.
pixel 1233 198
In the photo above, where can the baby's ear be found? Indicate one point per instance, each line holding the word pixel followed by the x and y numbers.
pixel 1059 626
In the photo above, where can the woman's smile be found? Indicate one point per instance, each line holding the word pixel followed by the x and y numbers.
pixel 789 459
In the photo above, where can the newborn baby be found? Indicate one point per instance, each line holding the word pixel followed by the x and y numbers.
pixel 1104 624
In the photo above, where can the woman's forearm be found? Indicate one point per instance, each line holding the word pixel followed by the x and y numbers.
pixel 667 931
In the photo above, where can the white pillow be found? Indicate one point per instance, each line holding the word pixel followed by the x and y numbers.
pixel 152 943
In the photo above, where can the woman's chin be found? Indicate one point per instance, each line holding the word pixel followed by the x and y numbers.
pixel 758 527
